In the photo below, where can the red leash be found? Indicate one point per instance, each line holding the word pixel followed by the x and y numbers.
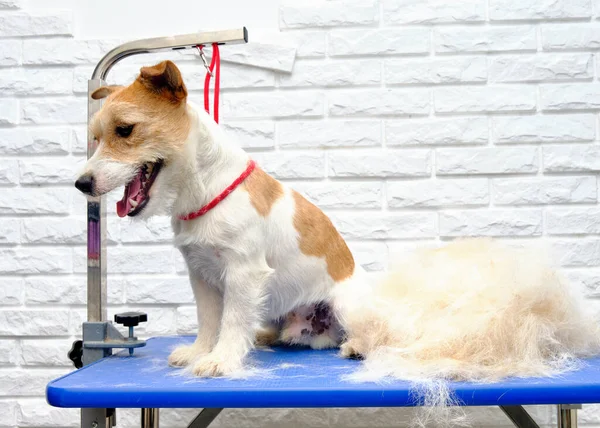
pixel 214 67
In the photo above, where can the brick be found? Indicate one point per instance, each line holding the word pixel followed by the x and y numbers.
pixel 570 96
pixel 187 321
pixel 429 131
pixel 33 141
pixel 433 11
pixel 37 23
pixel 546 190
pixel 11 4
pixel 170 290
pixel 543 129
pixel 9 112
pixel 11 53
pixel 438 193
pixel 438 70
pixel 309 44
pixel 45 352
pixel 372 256
pixel 539 9
pixel 271 56
pixel 397 163
pixel 573 221
pixel 11 291
pixel 32 322
pixel 35 260
pixel 8 410
pixel 490 223
pixel 155 230
pixel 541 67
pixel 65 51
pixel 490 99
pixel 572 158
pixel 35 201
pixel 140 260
pixel 587 280
pixel 578 252
pixel 26 382
pixel 342 195
pixel 43 171
pixel 248 105
pixel 488 39
pixel 28 81
pixel 9 171
pixel 328 14
pixel 34 410
pixel 334 134
pixel 375 102
pixel 54 111
pixel 79 140
pixel 333 73
pixel 292 165
pixel 9 231
pixel 570 36
pixel 387 41
pixel 45 290
pixel 505 160
pixel 385 225
pixel 9 354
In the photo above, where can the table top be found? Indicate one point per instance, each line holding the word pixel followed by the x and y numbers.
pixel 287 377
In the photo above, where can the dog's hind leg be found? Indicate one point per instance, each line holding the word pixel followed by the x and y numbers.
pixel 267 334
pixel 209 308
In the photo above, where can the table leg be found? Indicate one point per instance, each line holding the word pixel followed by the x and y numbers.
pixel 519 416
pixel 204 418
pixel 149 418
pixel 567 415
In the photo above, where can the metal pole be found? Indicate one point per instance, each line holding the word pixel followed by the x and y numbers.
pixel 150 418
pixel 567 415
pixel 519 417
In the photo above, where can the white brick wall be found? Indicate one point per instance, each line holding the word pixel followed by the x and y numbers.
pixel 409 122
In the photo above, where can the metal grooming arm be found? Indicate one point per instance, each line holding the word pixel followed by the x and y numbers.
pixel 99 333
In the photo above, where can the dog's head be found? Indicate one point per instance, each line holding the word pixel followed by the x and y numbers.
pixel 139 129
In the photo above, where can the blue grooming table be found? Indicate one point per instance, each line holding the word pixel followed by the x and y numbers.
pixel 284 377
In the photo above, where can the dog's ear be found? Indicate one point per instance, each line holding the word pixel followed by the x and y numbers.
pixel 104 91
pixel 165 79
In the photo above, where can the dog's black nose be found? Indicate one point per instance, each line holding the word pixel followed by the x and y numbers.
pixel 85 184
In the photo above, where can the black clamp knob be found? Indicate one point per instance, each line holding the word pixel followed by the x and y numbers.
pixel 131 319
pixel 75 354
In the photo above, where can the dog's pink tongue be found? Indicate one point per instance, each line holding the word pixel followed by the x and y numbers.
pixel 131 191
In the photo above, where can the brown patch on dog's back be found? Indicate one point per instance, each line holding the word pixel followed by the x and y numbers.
pixel 264 191
pixel 319 238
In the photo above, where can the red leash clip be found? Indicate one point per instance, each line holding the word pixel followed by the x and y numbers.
pixel 213 69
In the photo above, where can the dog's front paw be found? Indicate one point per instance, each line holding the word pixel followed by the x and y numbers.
pixel 184 355
pixel 213 365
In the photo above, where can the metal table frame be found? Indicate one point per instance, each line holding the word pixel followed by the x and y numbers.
pixel 96 240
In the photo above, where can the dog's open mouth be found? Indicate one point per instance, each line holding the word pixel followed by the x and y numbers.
pixel 136 196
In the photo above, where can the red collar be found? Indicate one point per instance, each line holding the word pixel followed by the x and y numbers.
pixel 206 208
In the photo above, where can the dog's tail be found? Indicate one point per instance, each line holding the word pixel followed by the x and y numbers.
pixel 475 310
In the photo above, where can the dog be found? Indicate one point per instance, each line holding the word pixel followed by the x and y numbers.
pixel 265 264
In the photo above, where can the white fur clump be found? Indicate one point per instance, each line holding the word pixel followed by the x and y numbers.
pixel 474 310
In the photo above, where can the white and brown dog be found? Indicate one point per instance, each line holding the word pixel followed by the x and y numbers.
pixel 258 253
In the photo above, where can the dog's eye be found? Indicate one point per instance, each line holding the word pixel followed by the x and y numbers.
pixel 124 131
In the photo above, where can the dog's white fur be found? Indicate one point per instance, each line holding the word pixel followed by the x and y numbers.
pixel 473 310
